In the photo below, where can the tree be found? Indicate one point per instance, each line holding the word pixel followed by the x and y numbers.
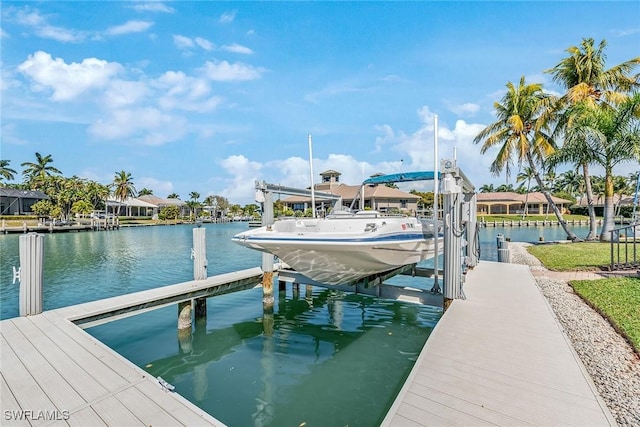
pixel 145 192
pixel 5 171
pixel 526 174
pixel 487 188
pixel 610 136
pixel 173 196
pixel 521 132
pixel 589 84
pixel 123 187
pixel 35 172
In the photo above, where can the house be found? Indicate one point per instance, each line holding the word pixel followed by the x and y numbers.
pixel 147 205
pixel 19 202
pixel 509 203
pixel 376 197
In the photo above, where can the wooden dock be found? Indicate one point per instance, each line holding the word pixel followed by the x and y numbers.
pixel 499 357
pixel 54 373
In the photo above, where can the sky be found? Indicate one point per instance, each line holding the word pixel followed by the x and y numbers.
pixel 208 97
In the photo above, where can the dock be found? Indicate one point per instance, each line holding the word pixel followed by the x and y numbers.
pixel 499 357
pixel 54 373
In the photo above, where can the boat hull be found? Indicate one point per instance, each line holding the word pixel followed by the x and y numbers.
pixel 343 250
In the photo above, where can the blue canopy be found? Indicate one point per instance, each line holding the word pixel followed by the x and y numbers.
pixel 402 177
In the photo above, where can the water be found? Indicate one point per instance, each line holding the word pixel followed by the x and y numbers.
pixel 319 355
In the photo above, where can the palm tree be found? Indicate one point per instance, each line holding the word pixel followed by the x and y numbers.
pixel 587 82
pixel 145 192
pixel 525 175
pixel 123 187
pixel 487 188
pixel 520 131
pixel 173 196
pixel 611 136
pixel 5 171
pixel 35 172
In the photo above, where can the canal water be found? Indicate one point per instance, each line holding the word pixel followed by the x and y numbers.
pixel 322 358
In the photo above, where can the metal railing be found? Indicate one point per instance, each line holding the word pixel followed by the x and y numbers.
pixel 625 247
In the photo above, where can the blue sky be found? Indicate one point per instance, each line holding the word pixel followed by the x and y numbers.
pixel 211 96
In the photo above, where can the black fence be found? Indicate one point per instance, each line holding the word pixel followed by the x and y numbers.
pixel 625 247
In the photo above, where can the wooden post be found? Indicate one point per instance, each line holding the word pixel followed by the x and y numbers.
pixel 31 273
pixel 200 308
pixel 267 259
pixel 199 254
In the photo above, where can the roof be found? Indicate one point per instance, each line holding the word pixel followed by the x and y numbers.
pixel 134 202
pixel 23 194
pixel 349 192
pixel 511 197
pixel 159 201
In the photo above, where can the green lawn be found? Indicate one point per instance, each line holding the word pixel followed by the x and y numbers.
pixel 618 300
pixel 583 256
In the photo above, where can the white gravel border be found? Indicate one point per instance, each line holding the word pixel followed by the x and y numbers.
pixel 608 358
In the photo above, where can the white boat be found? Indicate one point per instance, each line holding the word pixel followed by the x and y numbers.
pixel 344 247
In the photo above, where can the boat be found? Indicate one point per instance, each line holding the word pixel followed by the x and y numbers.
pixel 344 247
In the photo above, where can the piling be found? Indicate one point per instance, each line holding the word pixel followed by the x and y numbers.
pixel 199 254
pixel 31 273
pixel 504 254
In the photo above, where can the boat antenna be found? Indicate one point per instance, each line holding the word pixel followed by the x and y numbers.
pixel 313 196
pixel 436 228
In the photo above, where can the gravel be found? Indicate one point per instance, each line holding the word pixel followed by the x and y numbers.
pixel 608 358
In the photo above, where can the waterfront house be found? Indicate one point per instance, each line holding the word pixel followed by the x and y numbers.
pixel 376 197
pixel 19 202
pixel 509 203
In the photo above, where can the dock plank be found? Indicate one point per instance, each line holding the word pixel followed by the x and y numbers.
pixel 48 343
pixel 19 380
pixel 114 413
pixel 56 387
pixel 501 357
pixel 86 417
pixel 149 412
pixel 9 403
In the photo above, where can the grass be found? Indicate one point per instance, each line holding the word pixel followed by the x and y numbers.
pixel 618 300
pixel 583 256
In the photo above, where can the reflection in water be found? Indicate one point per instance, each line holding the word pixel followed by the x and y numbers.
pixel 315 357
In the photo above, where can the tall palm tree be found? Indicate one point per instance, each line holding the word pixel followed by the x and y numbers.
pixel 526 174
pixel 521 132
pixel 123 187
pixel 173 196
pixel 587 82
pixel 145 192
pixel 37 171
pixel 5 171
pixel 611 136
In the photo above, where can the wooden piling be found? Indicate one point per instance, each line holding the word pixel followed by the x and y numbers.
pixel 31 273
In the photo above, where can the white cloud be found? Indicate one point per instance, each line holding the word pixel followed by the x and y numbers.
pixel 224 71
pixel 152 7
pixel 122 93
pixel 67 80
pixel 160 188
pixel 186 43
pixel 33 18
pixel 129 27
pixel 228 17
pixel 182 42
pixel 148 126
pixel 466 109
pixel 236 48
pixel 244 173
pixel 185 93
pixel 204 44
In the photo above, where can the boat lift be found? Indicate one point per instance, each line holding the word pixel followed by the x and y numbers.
pixel 461 243
pixel 459 215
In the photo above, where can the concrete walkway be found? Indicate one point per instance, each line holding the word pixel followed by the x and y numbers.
pixel 499 358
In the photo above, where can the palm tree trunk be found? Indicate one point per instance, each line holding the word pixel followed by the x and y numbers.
pixel 593 225
pixel 570 235
pixel 608 222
